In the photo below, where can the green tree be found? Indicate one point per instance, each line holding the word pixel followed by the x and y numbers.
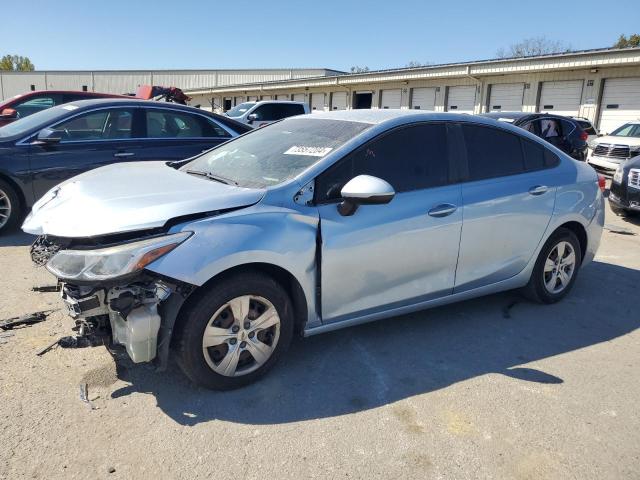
pixel 357 69
pixel 628 42
pixel 16 63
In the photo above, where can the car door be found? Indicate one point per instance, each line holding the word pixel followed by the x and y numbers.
pixel 172 134
pixel 89 140
pixel 397 254
pixel 508 199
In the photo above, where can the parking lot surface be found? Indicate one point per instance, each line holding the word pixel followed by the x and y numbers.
pixel 490 388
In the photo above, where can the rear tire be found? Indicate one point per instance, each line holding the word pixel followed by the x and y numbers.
pixel 556 268
pixel 9 207
pixel 222 345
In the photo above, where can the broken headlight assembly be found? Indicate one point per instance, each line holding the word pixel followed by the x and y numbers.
pixel 114 261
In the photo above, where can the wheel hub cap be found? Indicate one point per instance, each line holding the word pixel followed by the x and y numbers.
pixel 241 336
pixel 5 208
pixel 559 267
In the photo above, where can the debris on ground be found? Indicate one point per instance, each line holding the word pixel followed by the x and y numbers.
pixel 84 395
pixel 46 288
pixel 24 320
pixel 4 337
pixel 617 229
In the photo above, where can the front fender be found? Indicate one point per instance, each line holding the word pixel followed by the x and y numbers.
pixel 272 235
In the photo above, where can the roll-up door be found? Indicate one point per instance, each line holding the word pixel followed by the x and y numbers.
pixel 461 99
pixel 317 102
pixel 339 101
pixel 391 98
pixel 282 97
pixel 423 99
pixel 298 97
pixel 620 103
pixel 506 97
pixel 561 98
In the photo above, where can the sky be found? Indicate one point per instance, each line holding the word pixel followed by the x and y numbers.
pixel 193 34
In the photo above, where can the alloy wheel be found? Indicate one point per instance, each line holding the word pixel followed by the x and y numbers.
pixel 559 267
pixel 5 208
pixel 241 336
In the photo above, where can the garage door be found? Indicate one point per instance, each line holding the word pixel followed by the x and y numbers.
pixel 339 101
pixel 390 98
pixel 423 99
pixel 266 97
pixel 562 98
pixel 282 97
pixel 298 97
pixel 620 103
pixel 252 98
pixel 506 97
pixel 317 102
pixel 461 99
pixel 239 100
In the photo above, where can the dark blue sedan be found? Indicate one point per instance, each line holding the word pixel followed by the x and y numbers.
pixel 44 149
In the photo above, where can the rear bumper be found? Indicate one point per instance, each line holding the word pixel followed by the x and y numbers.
pixel 594 232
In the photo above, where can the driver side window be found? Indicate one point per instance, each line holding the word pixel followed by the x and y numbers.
pixel 409 158
pixel 108 124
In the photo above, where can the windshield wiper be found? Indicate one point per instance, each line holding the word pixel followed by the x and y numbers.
pixel 211 176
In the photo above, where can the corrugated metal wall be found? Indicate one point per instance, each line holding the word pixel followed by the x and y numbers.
pixel 14 83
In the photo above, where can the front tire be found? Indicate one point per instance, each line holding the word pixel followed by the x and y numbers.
pixel 9 207
pixel 235 331
pixel 556 268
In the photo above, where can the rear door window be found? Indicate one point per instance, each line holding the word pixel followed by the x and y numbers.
pixel 167 124
pixel 491 152
pixel 409 158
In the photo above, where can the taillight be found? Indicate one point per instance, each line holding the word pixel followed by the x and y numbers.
pixel 584 136
pixel 602 182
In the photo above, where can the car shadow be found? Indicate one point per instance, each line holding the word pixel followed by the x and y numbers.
pixel 15 238
pixel 371 365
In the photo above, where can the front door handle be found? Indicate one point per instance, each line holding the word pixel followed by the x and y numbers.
pixel 442 210
pixel 538 190
pixel 123 154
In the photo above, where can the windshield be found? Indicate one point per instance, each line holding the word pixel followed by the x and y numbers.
pixel 240 110
pixel 276 153
pixel 627 130
pixel 42 117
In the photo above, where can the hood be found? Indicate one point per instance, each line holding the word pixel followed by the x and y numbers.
pixel 130 196
pixel 631 141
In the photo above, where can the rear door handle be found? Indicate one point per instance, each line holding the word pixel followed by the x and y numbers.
pixel 123 154
pixel 538 190
pixel 442 210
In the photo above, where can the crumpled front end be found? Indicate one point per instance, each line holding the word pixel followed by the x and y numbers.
pixel 136 311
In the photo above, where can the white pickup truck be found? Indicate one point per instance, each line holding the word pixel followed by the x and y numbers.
pixel 261 113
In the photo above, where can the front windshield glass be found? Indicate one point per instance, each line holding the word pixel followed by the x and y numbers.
pixel 627 130
pixel 275 153
pixel 240 110
pixel 23 125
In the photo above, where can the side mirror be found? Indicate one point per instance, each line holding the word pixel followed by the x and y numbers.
pixel 252 118
pixel 364 190
pixel 9 113
pixel 48 135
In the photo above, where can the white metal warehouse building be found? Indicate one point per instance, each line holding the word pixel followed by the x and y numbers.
pixel 601 85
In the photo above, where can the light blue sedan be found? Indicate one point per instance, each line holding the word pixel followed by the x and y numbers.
pixel 311 224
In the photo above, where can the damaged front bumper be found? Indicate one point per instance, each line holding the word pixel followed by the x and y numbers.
pixel 129 314
pixel 137 311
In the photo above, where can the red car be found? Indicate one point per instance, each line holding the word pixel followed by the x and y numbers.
pixel 24 105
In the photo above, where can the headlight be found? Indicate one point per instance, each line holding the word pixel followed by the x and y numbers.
pixel 617 177
pixel 112 262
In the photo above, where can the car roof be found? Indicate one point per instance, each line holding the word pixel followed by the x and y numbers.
pixel 511 115
pixel 132 101
pixel 276 101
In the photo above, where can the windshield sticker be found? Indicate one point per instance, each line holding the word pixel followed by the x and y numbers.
pixel 70 107
pixel 309 151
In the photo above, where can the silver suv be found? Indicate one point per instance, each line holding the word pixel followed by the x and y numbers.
pixel 258 114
